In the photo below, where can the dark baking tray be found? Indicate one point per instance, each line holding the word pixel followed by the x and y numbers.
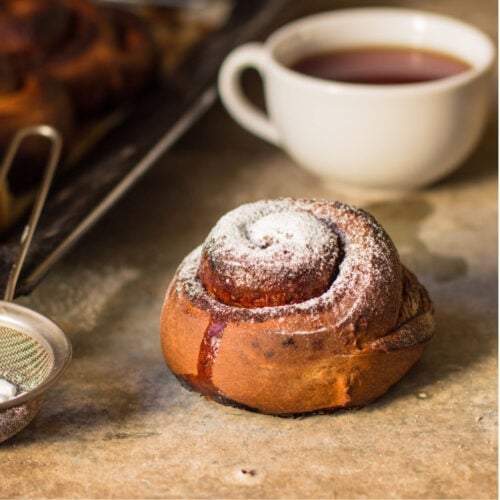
pixel 150 125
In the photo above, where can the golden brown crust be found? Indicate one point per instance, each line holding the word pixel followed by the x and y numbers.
pixel 344 348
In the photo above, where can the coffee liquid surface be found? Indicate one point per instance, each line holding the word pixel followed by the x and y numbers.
pixel 380 65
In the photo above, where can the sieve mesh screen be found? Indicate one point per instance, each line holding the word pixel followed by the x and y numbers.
pixel 23 360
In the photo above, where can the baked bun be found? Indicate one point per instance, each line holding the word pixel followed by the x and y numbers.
pixel 294 306
pixel 27 100
pixel 135 53
pixel 84 63
pixel 32 29
pixel 100 55
pixel 63 62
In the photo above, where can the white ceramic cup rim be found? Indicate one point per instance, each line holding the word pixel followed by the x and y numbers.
pixel 386 15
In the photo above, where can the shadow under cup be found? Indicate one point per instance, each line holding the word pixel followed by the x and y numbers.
pixel 394 136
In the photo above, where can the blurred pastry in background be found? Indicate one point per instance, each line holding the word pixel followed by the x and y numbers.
pixel 73 63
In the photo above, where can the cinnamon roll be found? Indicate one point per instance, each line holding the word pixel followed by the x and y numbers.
pixel 135 51
pixel 85 62
pixel 99 55
pixel 32 29
pixel 25 101
pixel 294 306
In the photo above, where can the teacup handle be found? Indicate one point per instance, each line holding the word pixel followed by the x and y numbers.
pixel 250 55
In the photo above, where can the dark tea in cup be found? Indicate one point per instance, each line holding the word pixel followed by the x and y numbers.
pixel 380 65
pixel 384 130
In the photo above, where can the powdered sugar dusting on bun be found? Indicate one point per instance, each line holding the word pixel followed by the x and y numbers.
pixel 294 306
pixel 268 254
pixel 366 272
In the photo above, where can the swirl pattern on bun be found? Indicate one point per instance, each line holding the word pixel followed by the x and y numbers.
pixel 294 306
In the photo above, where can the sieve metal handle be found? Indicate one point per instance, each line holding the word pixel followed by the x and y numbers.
pixel 56 141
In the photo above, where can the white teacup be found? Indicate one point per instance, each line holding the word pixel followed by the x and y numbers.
pixel 394 136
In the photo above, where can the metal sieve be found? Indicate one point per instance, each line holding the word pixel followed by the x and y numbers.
pixel 34 351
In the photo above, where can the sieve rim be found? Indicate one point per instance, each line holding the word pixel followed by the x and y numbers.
pixel 48 333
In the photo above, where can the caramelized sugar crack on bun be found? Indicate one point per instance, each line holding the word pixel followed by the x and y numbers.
pixel 294 306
